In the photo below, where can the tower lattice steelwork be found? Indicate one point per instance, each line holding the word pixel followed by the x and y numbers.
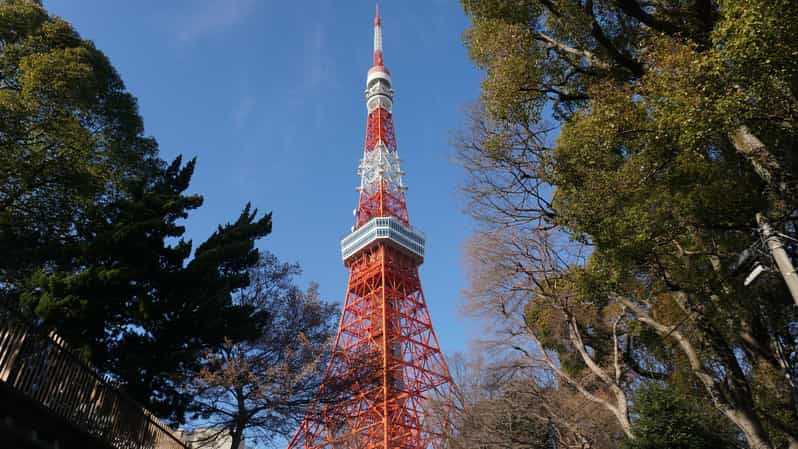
pixel 386 368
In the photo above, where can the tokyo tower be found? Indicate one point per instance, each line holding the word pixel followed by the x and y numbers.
pixel 386 359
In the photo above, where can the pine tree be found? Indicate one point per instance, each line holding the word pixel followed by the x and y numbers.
pixel 90 218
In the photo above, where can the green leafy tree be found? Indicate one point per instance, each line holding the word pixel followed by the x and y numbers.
pixel 610 247
pixel 667 420
pixel 90 218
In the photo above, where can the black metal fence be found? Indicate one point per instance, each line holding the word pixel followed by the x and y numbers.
pixel 42 367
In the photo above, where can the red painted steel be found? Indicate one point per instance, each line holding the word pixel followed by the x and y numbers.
pixel 386 347
pixel 386 370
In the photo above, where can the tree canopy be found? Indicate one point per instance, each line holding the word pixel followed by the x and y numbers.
pixel 617 161
pixel 91 218
pixel 667 419
pixel 261 388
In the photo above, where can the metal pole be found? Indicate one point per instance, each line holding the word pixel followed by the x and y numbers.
pixel 779 255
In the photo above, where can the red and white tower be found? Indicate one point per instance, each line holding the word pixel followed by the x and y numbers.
pixel 386 363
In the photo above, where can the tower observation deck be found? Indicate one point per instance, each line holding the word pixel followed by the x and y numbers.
pixel 387 376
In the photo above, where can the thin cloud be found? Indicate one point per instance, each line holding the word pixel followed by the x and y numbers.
pixel 318 62
pixel 317 70
pixel 213 16
pixel 243 110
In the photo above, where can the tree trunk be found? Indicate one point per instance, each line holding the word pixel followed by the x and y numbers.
pixel 621 408
pixel 236 436
pixel 240 421
pixel 754 433
pixel 765 163
pixel 740 413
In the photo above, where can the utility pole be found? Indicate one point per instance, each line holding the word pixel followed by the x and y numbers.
pixel 776 246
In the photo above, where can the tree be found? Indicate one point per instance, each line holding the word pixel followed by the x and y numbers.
pixel 611 248
pixel 90 218
pixel 261 388
pixel 521 281
pixel 506 405
pixel 668 420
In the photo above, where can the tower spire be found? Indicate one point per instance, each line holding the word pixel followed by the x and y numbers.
pixel 378 59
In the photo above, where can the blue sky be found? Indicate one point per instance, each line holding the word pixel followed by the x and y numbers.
pixel 268 95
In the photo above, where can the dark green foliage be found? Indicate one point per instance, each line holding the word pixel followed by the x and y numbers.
pixel 668 420
pixel 90 217
pixel 616 226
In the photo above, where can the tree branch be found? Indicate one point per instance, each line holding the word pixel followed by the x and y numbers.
pixel 589 57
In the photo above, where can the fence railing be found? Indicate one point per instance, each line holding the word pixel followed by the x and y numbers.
pixel 42 367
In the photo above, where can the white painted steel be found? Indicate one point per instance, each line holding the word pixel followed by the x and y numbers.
pixel 378 165
pixel 377 72
pixel 383 228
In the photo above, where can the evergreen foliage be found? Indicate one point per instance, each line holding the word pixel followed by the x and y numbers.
pixel 90 218
pixel 667 420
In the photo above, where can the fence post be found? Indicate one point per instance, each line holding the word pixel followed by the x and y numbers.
pixel 16 338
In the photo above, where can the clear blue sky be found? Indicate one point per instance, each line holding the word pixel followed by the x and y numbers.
pixel 268 95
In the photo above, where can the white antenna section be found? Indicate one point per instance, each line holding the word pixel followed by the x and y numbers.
pixel 377 166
